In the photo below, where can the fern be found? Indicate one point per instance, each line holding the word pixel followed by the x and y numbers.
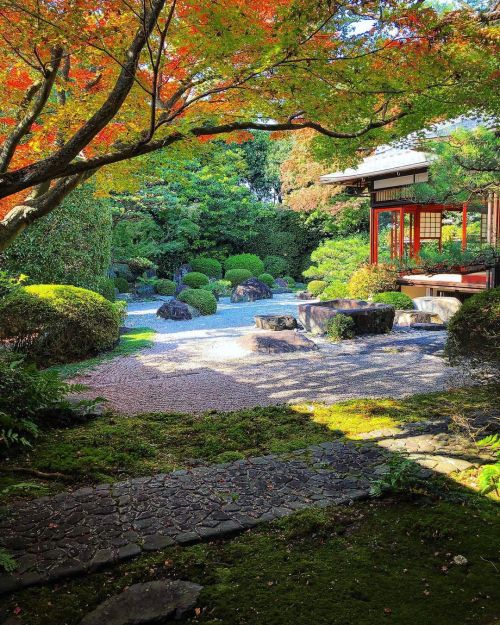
pixel 492 441
pixel 7 562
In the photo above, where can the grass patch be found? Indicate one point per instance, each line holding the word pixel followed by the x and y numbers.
pixel 111 448
pixel 131 342
pixel 369 564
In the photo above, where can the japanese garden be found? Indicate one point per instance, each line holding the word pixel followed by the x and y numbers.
pixel 249 312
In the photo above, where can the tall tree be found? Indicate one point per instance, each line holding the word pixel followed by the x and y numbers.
pixel 94 83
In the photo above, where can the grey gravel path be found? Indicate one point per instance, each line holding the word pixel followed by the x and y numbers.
pixel 199 365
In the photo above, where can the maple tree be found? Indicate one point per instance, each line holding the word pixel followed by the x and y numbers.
pixel 93 83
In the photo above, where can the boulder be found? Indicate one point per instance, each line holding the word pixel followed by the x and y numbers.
pixel 148 603
pixel 275 322
pixel 121 270
pixel 272 343
pixel 250 291
pixel 407 317
pixel 142 291
pixel 280 282
pixel 369 318
pixel 180 287
pixel 178 311
pixel 180 273
pixel 445 307
pixel 304 295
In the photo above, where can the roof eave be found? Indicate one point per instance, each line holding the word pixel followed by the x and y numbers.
pixel 338 178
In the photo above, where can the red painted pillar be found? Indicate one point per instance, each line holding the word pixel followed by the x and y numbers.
pixel 464 226
pixel 401 232
pixel 416 242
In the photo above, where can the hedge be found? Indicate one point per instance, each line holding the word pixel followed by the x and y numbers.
pixel 275 265
pixel 400 301
pixel 54 323
pixel 237 276
pixel 201 299
pixel 251 262
pixel 474 330
pixel 195 279
pixel 211 267
pixel 315 287
pixel 121 284
pixel 267 278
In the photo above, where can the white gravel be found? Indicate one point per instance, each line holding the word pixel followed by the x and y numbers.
pixel 198 365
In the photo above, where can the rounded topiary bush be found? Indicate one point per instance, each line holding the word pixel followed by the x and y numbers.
pixel 164 287
pixel 267 278
pixel 121 284
pixel 290 281
pixel 275 265
pixel 371 279
pixel 195 279
pixel 400 301
pixel 334 290
pixel 201 299
pixel 251 262
pixel 211 267
pixel 315 287
pixel 54 323
pixel 237 276
pixel 341 327
pixel 474 330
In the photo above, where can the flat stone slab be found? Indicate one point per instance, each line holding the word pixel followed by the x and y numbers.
pixel 146 604
pixel 407 317
pixel 369 318
pixel 275 323
pixel 272 343
pixel 431 327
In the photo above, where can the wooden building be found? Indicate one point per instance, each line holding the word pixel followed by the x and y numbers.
pixel 400 226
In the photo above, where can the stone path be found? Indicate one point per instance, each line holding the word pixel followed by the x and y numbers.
pixel 201 365
pixel 84 530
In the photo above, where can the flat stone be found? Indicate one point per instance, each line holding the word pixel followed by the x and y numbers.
pixel 407 317
pixel 156 542
pixel 271 343
pixel 276 323
pixel 428 326
pixel 445 307
pixel 148 603
pixel 369 318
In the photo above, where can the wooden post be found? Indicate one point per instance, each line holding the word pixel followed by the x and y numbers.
pixel 464 226
pixel 401 233
pixel 416 242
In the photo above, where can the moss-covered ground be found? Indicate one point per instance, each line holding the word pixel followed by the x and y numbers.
pixel 389 561
pixel 114 447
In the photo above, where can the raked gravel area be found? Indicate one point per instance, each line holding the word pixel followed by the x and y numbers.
pixel 198 365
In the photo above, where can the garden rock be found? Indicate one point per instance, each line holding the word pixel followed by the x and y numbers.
pixel 148 603
pixel 250 291
pixel 369 318
pixel 275 322
pixel 428 326
pixel 178 311
pixel 121 270
pixel 144 290
pixel 180 273
pixel 304 295
pixel 407 317
pixel 179 288
pixel 271 343
pixel 282 283
pixel 445 307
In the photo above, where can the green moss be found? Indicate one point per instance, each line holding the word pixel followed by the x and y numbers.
pixel 131 342
pixel 112 448
pixel 368 564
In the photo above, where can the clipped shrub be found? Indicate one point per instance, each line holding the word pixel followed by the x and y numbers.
pixel 275 265
pixel 10 283
pixel 105 287
pixel 290 281
pixel 211 267
pixel 335 290
pixel 139 265
pixel 54 323
pixel 122 285
pixel 315 287
pixel 340 327
pixel 164 287
pixel 201 299
pixel 237 276
pixel 371 279
pixel 267 278
pixel 195 279
pixel 474 330
pixel 400 301
pixel 251 262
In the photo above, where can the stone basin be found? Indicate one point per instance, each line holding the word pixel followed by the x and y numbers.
pixel 369 318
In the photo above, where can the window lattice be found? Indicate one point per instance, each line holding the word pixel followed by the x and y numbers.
pixel 430 225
